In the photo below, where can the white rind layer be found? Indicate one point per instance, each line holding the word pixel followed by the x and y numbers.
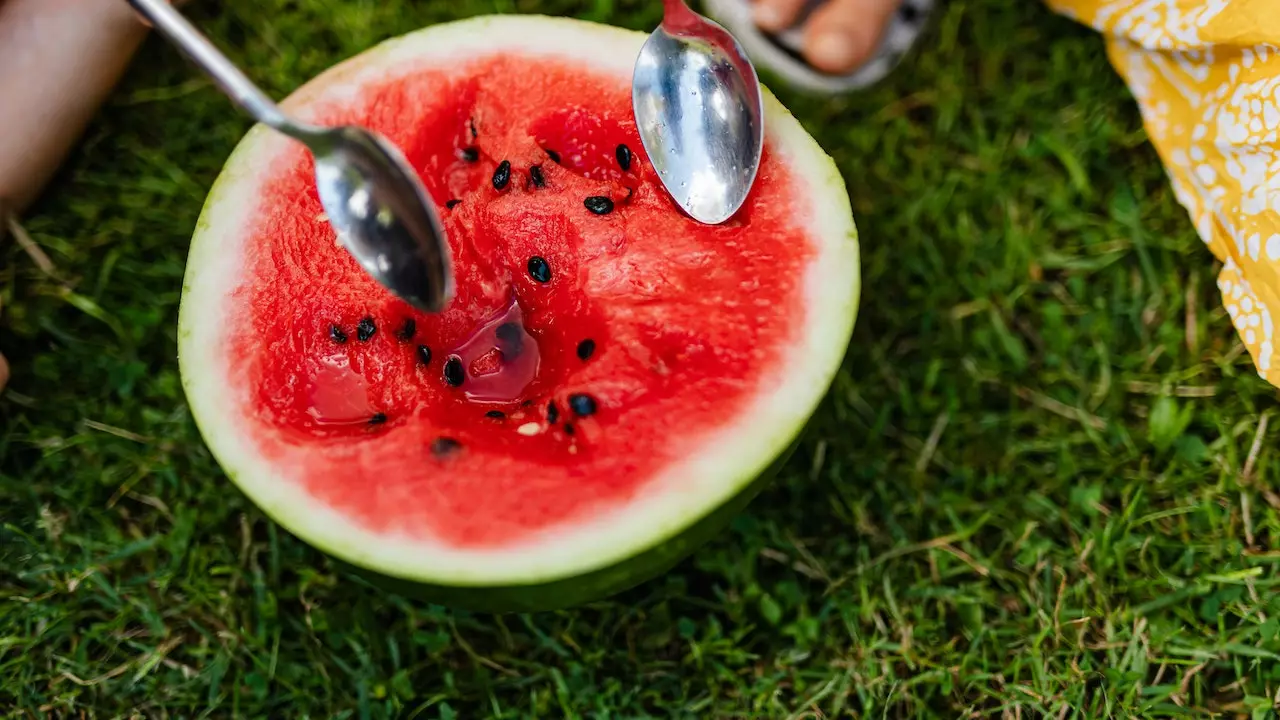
pixel 728 460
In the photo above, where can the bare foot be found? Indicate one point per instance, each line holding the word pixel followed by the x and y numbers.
pixel 838 36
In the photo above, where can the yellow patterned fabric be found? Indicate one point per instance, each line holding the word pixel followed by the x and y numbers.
pixel 1206 75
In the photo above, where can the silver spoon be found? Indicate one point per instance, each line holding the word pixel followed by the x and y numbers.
pixel 700 114
pixel 381 212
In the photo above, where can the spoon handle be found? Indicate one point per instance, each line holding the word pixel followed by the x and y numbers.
pixel 677 16
pixel 228 77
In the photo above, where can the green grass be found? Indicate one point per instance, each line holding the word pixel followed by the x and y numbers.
pixel 1042 484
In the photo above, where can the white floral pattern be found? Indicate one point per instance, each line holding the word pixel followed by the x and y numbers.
pixel 1206 77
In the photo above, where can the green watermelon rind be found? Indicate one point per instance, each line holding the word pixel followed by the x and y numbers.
pixel 591 586
pixel 559 569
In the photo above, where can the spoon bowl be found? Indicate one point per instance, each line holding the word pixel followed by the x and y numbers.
pixel 382 215
pixel 700 113
pixel 375 202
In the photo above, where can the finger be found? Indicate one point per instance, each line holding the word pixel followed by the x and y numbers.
pixel 842 34
pixel 776 15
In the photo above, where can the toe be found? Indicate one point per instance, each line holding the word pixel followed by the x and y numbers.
pixel 842 34
pixel 776 15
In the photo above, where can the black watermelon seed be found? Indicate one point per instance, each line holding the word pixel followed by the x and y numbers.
pixel 508 332
pixel 453 203
pixel 568 428
pixel 378 419
pixel 496 415
pixel 586 349
pixel 424 354
pixel 442 446
pixel 470 154
pixel 407 331
pixel 454 374
pixel 553 413
pixel 337 335
pixel 599 204
pixel 582 405
pixel 555 156
pixel 623 153
pixel 471 123
pixel 502 175
pixel 527 403
pixel 539 269
pixel 511 338
pixel 365 329
pixel 535 174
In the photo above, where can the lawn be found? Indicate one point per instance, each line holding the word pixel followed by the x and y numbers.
pixel 1042 484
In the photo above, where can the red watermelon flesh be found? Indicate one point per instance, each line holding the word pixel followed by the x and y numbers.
pixel 683 361
pixel 686 319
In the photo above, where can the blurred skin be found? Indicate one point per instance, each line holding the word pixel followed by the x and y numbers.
pixel 60 59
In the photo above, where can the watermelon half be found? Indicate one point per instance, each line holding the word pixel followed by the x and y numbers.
pixel 612 379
